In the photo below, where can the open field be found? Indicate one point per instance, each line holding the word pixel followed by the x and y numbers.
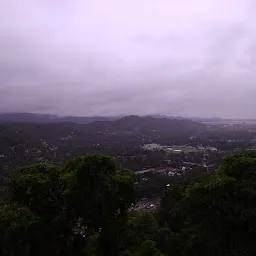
pixel 179 149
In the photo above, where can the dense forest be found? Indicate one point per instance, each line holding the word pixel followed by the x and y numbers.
pixel 84 208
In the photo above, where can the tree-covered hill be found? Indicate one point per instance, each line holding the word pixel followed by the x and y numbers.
pixel 110 124
pixel 47 118
pixel 148 124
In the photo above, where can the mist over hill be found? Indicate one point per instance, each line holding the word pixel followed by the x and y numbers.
pixel 47 118
pixel 133 123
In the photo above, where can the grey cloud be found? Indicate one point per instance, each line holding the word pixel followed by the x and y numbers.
pixel 190 58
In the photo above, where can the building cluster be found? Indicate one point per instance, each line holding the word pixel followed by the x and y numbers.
pixel 177 148
pixel 162 171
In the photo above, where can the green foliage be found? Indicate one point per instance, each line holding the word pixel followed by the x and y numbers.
pixel 82 209
pixel 142 226
pixel 216 216
pixel 17 225
pixel 75 209
pixel 240 166
pixel 124 185
pixel 37 187
pixel 148 248
pixel 91 245
pixel 100 196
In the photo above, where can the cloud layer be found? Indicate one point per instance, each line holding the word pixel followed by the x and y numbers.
pixel 111 57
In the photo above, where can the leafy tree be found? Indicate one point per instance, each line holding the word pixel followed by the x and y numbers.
pixel 17 226
pixel 148 248
pixel 229 208
pixel 142 226
pixel 86 200
pixel 100 196
pixel 215 216
pixel 82 209
pixel 39 188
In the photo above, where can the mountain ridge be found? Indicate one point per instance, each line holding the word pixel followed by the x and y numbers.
pixel 125 124
pixel 48 118
pixel 146 124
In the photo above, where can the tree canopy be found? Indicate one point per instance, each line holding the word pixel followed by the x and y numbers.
pixel 217 216
pixel 83 208
pixel 62 208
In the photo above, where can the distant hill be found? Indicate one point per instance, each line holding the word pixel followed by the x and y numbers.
pixel 27 118
pixel 100 124
pixel 147 124
pixel 217 120
pixel 46 118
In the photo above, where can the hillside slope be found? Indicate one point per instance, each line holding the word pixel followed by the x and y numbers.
pixel 136 124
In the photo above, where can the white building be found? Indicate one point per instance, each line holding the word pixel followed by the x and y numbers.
pixel 211 148
pixel 152 147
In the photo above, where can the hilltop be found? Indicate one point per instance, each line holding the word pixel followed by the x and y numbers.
pixel 47 118
pixel 147 124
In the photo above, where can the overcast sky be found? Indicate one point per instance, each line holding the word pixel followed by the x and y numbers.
pixel 111 57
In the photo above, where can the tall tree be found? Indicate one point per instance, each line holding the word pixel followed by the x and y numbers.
pixel 99 196
pixel 68 207
pixel 40 189
pixel 17 226
pixel 217 216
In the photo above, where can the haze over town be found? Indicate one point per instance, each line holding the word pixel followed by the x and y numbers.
pixel 186 58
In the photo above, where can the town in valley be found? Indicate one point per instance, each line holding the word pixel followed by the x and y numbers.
pixel 157 149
